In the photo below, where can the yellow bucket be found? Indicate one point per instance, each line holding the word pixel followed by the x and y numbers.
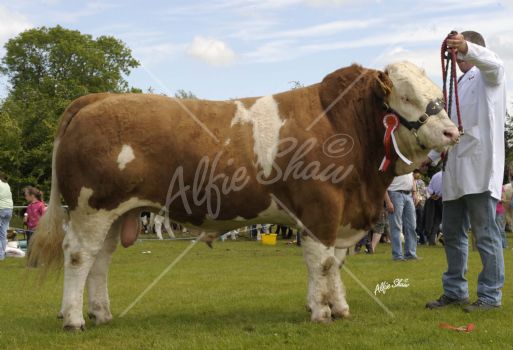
pixel 269 238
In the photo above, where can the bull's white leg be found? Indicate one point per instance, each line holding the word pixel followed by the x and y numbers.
pixel 99 304
pixel 82 242
pixel 320 260
pixel 337 293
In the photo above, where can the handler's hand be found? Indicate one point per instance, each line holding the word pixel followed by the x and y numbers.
pixel 390 207
pixel 458 42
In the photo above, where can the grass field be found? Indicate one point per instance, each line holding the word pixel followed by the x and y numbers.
pixel 243 295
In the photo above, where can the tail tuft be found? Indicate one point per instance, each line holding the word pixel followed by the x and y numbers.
pixel 45 248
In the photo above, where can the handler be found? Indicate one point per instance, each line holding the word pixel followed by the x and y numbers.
pixel 473 175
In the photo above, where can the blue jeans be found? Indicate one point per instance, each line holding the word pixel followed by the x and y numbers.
pixel 403 218
pixel 478 211
pixel 501 223
pixel 5 218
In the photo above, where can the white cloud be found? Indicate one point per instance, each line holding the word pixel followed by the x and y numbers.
pixel 11 23
pixel 211 51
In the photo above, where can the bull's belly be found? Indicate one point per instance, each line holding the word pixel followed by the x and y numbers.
pixel 271 215
pixel 348 236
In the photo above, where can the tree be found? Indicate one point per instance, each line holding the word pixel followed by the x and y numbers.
pixel 184 94
pixel 47 68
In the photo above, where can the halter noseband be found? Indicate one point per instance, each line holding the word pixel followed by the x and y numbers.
pixel 433 108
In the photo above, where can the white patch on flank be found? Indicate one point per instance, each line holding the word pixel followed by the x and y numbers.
pixel 265 117
pixel 125 156
pixel 348 236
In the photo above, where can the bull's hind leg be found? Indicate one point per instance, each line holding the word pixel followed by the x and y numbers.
pixel 320 260
pixel 99 304
pixel 337 293
pixel 83 241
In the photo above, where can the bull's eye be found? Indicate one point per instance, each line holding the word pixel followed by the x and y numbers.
pixel 405 99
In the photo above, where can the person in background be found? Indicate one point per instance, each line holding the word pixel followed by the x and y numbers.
pixel 473 175
pixel 35 209
pixel 500 219
pixel 163 220
pixel 400 198
pixel 379 229
pixel 419 207
pixel 6 206
pixel 433 208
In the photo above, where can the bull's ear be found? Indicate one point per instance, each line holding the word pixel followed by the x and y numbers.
pixel 383 85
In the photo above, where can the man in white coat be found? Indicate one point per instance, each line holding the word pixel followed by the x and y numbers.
pixel 472 179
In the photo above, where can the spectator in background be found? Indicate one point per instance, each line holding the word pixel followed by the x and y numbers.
pixel 500 219
pixel 419 207
pixel 379 229
pixel 35 209
pixel 433 209
pixel 400 198
pixel 159 220
pixel 6 205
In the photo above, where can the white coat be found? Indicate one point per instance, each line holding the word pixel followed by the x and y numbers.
pixel 476 164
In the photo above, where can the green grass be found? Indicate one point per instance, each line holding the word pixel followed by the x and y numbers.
pixel 242 295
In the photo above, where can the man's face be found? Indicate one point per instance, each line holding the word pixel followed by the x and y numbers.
pixel 464 66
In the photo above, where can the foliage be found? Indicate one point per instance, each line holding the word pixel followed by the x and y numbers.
pixel 47 68
pixel 185 94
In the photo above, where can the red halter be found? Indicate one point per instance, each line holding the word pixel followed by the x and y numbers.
pixel 448 58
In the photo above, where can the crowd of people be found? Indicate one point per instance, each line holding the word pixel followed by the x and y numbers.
pixel 35 209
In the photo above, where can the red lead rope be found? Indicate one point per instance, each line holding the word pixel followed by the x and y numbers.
pixel 449 54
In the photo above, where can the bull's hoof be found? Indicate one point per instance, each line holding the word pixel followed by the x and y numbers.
pixel 71 328
pixel 100 319
pixel 340 313
pixel 321 315
pixel 60 315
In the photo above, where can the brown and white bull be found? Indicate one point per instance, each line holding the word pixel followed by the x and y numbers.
pixel 307 158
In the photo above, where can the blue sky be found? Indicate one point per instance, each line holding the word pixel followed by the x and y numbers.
pixel 224 49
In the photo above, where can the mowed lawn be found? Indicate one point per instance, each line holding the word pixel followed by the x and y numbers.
pixel 243 295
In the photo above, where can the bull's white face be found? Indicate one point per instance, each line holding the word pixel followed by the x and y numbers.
pixel 410 95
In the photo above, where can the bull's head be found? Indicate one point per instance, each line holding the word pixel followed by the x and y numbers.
pixel 424 123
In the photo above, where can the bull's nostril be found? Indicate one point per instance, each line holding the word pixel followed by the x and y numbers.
pixel 452 135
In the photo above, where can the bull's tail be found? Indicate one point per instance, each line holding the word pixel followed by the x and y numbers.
pixel 45 248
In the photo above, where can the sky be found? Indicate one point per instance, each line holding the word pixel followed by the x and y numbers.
pixel 222 49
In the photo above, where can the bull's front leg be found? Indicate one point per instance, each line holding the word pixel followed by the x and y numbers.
pixel 320 261
pixel 337 293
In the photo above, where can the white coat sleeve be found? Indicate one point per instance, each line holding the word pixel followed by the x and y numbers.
pixel 489 64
